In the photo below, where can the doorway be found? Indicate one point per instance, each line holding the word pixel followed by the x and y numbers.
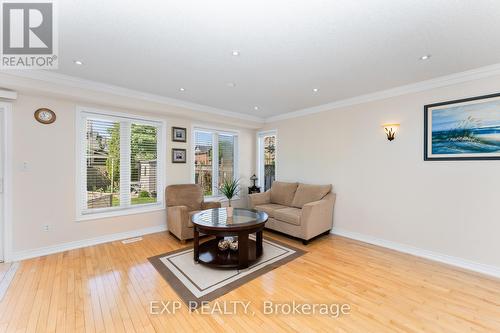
pixel 5 131
pixel 2 177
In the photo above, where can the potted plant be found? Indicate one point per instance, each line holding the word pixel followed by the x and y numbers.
pixel 229 188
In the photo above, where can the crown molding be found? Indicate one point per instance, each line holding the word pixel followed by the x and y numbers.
pixel 438 82
pixel 7 94
pixel 75 82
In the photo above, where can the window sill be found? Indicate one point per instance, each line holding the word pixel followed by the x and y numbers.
pixel 220 199
pixel 119 212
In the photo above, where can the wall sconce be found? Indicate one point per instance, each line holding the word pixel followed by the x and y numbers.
pixel 390 130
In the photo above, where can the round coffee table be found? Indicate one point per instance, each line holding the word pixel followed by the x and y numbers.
pixel 215 222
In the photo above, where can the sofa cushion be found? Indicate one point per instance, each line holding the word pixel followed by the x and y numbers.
pixel 190 215
pixel 282 193
pixel 289 215
pixel 269 208
pixel 308 193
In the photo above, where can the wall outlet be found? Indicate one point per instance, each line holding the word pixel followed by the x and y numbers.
pixel 45 227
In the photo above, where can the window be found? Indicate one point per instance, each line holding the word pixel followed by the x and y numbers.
pixel 215 159
pixel 266 159
pixel 121 163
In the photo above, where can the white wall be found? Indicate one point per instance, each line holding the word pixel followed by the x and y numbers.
pixel 44 193
pixel 385 189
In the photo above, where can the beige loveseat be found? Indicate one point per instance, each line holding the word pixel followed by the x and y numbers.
pixel 298 210
pixel 182 202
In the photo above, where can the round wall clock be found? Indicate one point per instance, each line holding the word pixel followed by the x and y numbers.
pixel 45 116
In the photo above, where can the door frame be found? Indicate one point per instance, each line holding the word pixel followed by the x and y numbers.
pixel 259 146
pixel 6 109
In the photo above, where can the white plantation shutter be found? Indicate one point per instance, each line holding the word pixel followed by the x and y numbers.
pixel 121 163
pixel 266 158
pixel 102 164
pixel 203 161
pixel 269 161
pixel 143 164
pixel 124 163
pixel 215 159
pixel 226 157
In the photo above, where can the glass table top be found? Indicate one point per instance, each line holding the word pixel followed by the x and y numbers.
pixel 218 218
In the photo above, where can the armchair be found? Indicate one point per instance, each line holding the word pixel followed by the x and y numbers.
pixel 183 201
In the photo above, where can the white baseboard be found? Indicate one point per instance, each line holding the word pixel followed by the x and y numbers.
pixel 43 251
pixel 443 258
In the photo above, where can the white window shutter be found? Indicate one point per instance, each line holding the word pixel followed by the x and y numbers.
pixel 113 151
pixel 125 163
pixel 216 158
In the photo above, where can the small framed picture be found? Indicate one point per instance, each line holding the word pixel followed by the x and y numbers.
pixel 178 155
pixel 178 134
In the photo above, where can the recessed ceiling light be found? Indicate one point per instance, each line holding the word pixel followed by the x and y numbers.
pixel 315 89
pixel 231 84
pixel 425 57
pixel 78 62
pixel 182 89
pixel 255 108
pixel 236 53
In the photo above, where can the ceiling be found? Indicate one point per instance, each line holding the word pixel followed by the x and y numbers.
pixel 343 48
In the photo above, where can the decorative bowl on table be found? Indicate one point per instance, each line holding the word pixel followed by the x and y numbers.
pixel 234 245
pixel 224 244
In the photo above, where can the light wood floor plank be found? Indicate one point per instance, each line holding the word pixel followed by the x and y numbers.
pixel 108 288
pixel 4 267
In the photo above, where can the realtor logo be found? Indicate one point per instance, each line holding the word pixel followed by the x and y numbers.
pixel 29 35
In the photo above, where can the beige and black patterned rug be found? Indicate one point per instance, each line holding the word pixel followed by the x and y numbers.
pixel 195 283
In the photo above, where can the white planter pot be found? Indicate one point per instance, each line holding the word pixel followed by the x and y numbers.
pixel 229 211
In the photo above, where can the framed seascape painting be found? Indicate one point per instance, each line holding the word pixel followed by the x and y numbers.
pixel 466 129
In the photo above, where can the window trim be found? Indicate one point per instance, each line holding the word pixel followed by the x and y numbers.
pixel 80 163
pixel 260 150
pixel 215 161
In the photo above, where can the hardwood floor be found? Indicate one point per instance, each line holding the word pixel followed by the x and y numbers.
pixel 7 273
pixel 4 267
pixel 109 287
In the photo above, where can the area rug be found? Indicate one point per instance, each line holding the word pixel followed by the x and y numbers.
pixel 196 283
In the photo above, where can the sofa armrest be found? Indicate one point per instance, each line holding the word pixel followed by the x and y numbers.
pixel 259 199
pixel 210 205
pixel 177 209
pixel 317 216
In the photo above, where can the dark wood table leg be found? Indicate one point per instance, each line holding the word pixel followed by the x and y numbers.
pixel 196 242
pixel 258 241
pixel 242 250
